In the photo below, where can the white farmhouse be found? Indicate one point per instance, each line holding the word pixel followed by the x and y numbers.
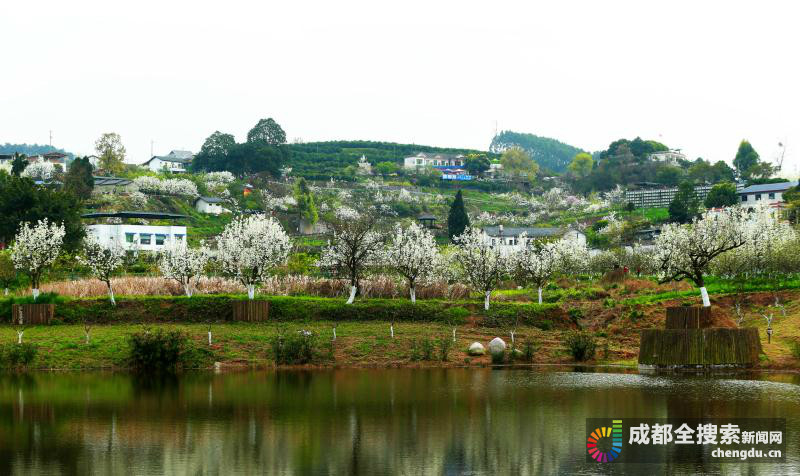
pixel 768 193
pixel 211 205
pixel 512 236
pixel 177 162
pixel 135 237
pixel 439 161
pixel 668 157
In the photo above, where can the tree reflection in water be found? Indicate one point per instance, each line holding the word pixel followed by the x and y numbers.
pixel 354 421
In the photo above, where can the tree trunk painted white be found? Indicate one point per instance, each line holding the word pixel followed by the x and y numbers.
pixel 19 336
pixel 187 288
pixel 251 291
pixel 86 332
pixel 454 334
pixel 512 337
pixel 391 330
pixel 486 300
pixel 334 333
pixel 413 295
pixel 540 295
pixel 352 297
pixel 209 337
pixel 704 294
pixel 111 295
pixel 35 293
pixel 5 292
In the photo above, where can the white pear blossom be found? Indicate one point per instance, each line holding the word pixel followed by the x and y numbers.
pixel 42 170
pixel 686 251
pixel 354 248
pixel 138 199
pixel 155 186
pixel 478 263
pixel 102 260
pixel 613 228
pixel 615 196
pixel 250 248
pixel 413 254
pixel 37 247
pixel 183 264
pixel 537 262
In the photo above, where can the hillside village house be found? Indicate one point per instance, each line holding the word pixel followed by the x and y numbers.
pixel 513 236
pixel 177 162
pixel 136 237
pixel 438 161
pixel 210 205
pixel 768 193
pixel 669 157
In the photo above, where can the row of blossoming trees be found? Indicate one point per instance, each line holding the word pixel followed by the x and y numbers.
pixel 731 243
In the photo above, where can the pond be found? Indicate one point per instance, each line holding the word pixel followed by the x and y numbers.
pixel 395 421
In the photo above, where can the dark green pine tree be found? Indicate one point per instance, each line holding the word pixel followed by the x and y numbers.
pixel 78 179
pixel 457 219
pixel 685 206
pixel 18 164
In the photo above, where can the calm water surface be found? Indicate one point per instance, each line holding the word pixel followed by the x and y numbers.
pixel 372 422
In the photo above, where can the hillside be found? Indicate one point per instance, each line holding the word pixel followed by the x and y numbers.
pixel 30 149
pixel 548 153
pixel 321 160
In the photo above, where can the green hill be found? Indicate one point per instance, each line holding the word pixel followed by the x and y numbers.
pixel 548 153
pixel 321 160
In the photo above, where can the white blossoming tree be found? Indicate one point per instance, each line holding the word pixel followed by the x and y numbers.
pixel 538 262
pixel 686 251
pixel 36 247
pixel 478 263
pixel 102 260
pixel 250 248
pixel 39 171
pixel 354 248
pixel 184 264
pixel 413 254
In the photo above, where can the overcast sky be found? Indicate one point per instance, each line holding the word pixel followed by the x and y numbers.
pixel 697 75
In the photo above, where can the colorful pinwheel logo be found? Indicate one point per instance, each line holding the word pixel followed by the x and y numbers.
pixel 609 438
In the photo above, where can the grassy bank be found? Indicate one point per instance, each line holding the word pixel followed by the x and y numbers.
pixel 612 314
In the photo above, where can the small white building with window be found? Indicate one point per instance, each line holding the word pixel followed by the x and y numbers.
pixel 176 162
pixel 767 193
pixel 210 205
pixel 513 236
pixel 137 237
pixel 668 157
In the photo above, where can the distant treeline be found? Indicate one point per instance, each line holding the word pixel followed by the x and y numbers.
pixel 338 158
pixel 30 149
pixel 550 154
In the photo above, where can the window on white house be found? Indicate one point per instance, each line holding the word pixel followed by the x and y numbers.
pixel 772 196
pixel 144 238
pixel 160 239
pixel 758 196
pixel 744 197
pixel 129 237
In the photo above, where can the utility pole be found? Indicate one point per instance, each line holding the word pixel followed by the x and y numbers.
pixel 151 147
pixel 51 138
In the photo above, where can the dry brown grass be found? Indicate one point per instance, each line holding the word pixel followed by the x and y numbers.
pixel 375 287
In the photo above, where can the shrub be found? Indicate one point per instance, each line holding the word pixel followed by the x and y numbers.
pixel 529 349
pixel 295 348
pixel 498 358
pixel 575 314
pixel 545 324
pixel 445 344
pixel 422 349
pixel 796 349
pixel 157 351
pixel 17 355
pixel 581 345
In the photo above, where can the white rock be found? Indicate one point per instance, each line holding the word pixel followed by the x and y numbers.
pixel 497 346
pixel 476 348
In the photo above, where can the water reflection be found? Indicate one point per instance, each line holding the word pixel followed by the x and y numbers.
pixel 479 421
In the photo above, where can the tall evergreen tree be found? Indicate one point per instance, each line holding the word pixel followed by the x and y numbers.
pixel 457 219
pixel 685 206
pixel 18 164
pixel 79 180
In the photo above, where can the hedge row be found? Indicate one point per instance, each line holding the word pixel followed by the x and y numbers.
pixel 217 308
